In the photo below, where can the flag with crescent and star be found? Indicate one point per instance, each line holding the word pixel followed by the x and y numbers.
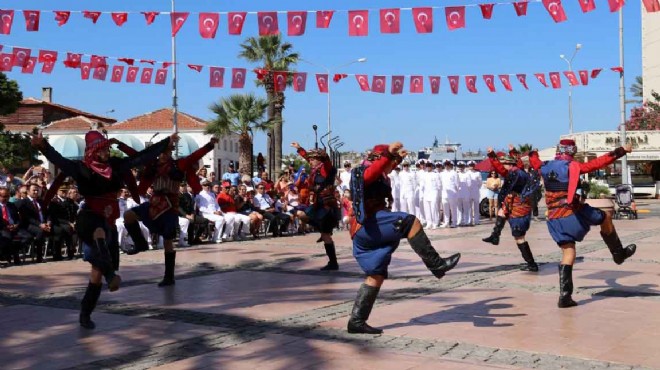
pixel 279 80
pixel 453 83
pixel 93 15
pixel 119 18
pixel 145 77
pixel 62 16
pixel 47 56
pixel 299 81
pixel 85 68
pixel 486 10
pixel 132 73
pixel 587 5
pixel 541 78
pixel 21 56
pixel 555 9
pixel 434 81
pixel 378 84
pixel 29 66
pixel 506 82
pixel 150 17
pixel 267 22
pixel 520 8
pixel 32 20
pixel 363 81
pixel 100 72
pixel 161 76
pixel 238 78
pixel 216 76
pixel 358 22
pixel 208 24
pixel 117 73
pixel 416 84
pixel 489 80
pixel 6 19
pixel 196 67
pixel 615 5
pixel 296 23
pixel 397 85
pixel 455 16
pixel 177 19
pixel 555 80
pixel 73 60
pixel 235 21
pixel 522 78
pixel 48 66
pixel 423 18
pixel 471 83
pixel 322 82
pixel 584 77
pixel 323 18
pixel 572 78
pixel 389 20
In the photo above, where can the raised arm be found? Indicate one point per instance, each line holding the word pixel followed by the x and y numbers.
pixel 395 152
pixel 66 165
pixel 534 160
pixel 495 162
pixel 605 159
pixel 147 155
pixel 123 147
pixel 195 156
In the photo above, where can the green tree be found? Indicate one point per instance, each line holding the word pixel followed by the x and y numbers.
pixel 239 114
pixel 10 95
pixel 273 55
pixel 17 153
pixel 646 117
pixel 524 148
pixel 637 90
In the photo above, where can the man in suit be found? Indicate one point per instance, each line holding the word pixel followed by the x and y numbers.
pixel 8 227
pixel 61 223
pixel 33 222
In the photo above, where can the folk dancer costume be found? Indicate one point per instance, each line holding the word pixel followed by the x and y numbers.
pixel 376 233
pixel 99 178
pixel 569 219
pixel 161 213
pixel 516 203
pixel 324 213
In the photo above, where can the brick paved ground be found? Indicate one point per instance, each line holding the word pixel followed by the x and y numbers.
pixel 265 305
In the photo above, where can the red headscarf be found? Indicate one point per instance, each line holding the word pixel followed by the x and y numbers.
pixel 94 143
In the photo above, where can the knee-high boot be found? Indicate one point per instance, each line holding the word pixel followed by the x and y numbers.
pixel 88 304
pixel 106 263
pixel 332 257
pixel 566 287
pixel 438 266
pixel 364 302
pixel 528 257
pixel 135 232
pixel 494 237
pixel 619 253
pixel 170 260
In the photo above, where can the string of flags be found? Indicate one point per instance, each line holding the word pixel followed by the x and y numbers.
pixel 296 21
pixel 97 67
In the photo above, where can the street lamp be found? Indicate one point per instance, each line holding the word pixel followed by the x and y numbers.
pixel 328 70
pixel 251 151
pixel 270 153
pixel 316 140
pixel 570 88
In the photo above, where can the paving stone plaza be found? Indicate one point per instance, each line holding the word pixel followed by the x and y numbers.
pixel 265 305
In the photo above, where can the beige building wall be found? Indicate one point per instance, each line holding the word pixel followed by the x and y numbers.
pixel 650 52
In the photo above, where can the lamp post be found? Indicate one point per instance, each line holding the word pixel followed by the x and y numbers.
pixel 316 139
pixel 622 102
pixel 175 99
pixel 570 88
pixel 328 70
pixel 251 151
pixel 270 153
pixel 338 154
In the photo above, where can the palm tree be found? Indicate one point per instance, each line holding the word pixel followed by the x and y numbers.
pixel 239 114
pixel 273 55
pixel 637 90
pixel 525 148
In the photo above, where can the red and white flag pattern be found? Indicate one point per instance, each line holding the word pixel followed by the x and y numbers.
pixel 32 20
pixel 6 62
pixel 85 70
pixel 196 67
pixel 486 10
pixel 423 18
pixel 29 66
pixel 555 80
pixel 470 83
pixel 506 82
pixel 322 82
pixel 48 66
pixel 490 83
pixel 397 85
pixel 416 84
pixel 358 22
pixel 146 75
pixel 117 73
pixel 453 84
pixel 100 73
pixel 73 60
pixel 267 22
pixel 555 9
pixel 177 19
pixel 595 72
pixel 378 84
pixel 584 77
pixel 93 15
pixel 615 5
pixel 299 81
pixel 62 16
pixel 572 78
pixel 541 78
pixel 323 18
pixel 520 8
pixel 47 56
pixel 434 81
pixel 279 81
pixel 238 78
pixel 119 18
pixel 363 81
pixel 150 17
pixel 235 21
pixel 216 76
pixel 455 17
pixel 208 25
pixel 132 73
pixel 587 5
pixel 296 23
pixel 390 21
pixel 6 20
pixel 522 78
pixel 21 56
pixel 161 76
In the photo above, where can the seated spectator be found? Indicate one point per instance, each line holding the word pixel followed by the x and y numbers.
pixel 8 228
pixel 240 222
pixel 266 206
pixel 246 181
pixel 33 221
pixel 244 205
pixel 210 210
pixel 346 208
pixel 62 223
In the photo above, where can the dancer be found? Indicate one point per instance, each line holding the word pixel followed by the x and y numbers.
pixel 515 202
pixel 324 213
pixel 99 178
pixel 376 232
pixel 161 213
pixel 569 219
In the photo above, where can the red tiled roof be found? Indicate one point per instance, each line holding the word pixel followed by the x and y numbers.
pixel 159 120
pixel 79 123
pixel 33 101
pixel 18 128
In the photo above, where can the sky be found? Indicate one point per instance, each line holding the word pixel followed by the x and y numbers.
pixel 505 44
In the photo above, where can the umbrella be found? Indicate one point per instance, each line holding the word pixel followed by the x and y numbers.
pixel 72 147
pixel 484 166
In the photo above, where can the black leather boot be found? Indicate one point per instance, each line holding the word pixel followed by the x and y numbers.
pixel 332 257
pixel 494 237
pixel 88 304
pixel 168 279
pixel 528 257
pixel 566 287
pixel 364 302
pixel 619 253
pixel 139 241
pixel 421 244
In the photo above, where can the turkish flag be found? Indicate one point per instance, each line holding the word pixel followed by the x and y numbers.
pixel 47 56
pixel 455 17
pixel 322 82
pixel 296 22
pixel 572 78
pixel 6 62
pixel 555 80
pixel 62 16
pixel 584 77
pixel 195 67
pixel 521 8
pixel 216 76
pixel 31 20
pixel 161 76
pixel 555 9
pixel 651 6
pixel 177 19
pixel 72 60
pixel 150 17
pixel 487 10
pixel 338 77
pixel 98 61
pixel 94 16
pixel 119 18
pixel 615 5
pixel 299 81
pixel 490 83
pixel 595 72
pixel 21 56
pixel 505 82
pixel 522 78
pixel 279 81
pixel 129 61
pixel 617 69
pixel 434 81
pixel 416 84
pixel 148 61
pixel 587 5
pixel 29 66
pixel 235 22
pixel 323 18
pixel 363 81
pixel 267 22
pixel 7 19
pixel 208 24
pixel 358 23
pixel 261 73
pixel 423 18
pixel 397 85
pixel 541 78
pixel 145 77
pixel 390 21
pixel 84 71
pixel 167 64
pixel 117 73
pixel 238 78
pixel 132 73
pixel 453 83
pixel 48 66
pixel 100 73
pixel 470 82
pixel 378 84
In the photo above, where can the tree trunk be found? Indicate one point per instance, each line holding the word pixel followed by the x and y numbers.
pixel 245 154
pixel 279 107
pixel 270 94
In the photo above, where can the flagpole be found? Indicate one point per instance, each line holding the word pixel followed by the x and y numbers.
pixel 175 104
pixel 622 101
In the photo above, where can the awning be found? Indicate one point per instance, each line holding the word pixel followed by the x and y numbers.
pixel 129 140
pixel 70 146
pixel 186 145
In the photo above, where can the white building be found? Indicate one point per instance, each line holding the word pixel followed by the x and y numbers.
pixel 650 52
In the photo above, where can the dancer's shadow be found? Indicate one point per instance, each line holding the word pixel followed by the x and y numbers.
pixel 478 313
pixel 614 289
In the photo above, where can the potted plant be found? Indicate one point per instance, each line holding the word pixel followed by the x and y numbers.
pixel 598 197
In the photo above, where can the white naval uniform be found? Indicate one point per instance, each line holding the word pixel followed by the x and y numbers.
pixel 408 181
pixel 207 205
pixel 431 187
pixel 419 196
pixel 464 206
pixel 475 193
pixel 449 197
pixel 395 183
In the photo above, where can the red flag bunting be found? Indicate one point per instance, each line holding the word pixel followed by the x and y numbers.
pixel 148 61
pixel 555 80
pixel 29 66
pixel 299 81
pixel 119 18
pixel 651 6
pixel 267 22
pixel 416 84
pixel 261 73
pixel 541 78
pixel 195 67
pixel 555 9
pixel 6 20
pixel 94 16
pixel 521 8
pixel 235 22
pixel 434 81
pixel 150 17
pixel 487 10
pixel 117 73
pixel 615 5
pixel 470 83
pixel 31 20
pixel 522 78
pixel 363 81
pixel 397 85
pixel 453 84
pixel 238 78
pixel 161 76
pixel 84 71
pixel 98 61
pixel 62 16
pixel 595 72
pixel 216 76
pixel 129 61
pixel 322 82
pixel 21 56
pixel 617 69
pixel 177 19
pixel 572 78
pixel 296 23
pixel 378 84
pixel 584 77
pixel 455 17
pixel 100 73
pixel 47 56
pixel 145 78
pixel 167 64
pixel 489 80
pixel 504 79
pixel 73 60
pixel 358 23
pixel 48 66
pixel 132 73
pixel 338 77
pixel 389 21
pixel 323 18
pixel 208 24
pixel 6 62
pixel 423 18
pixel 279 81
pixel 587 5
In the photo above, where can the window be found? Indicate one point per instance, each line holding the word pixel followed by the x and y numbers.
pixel 236 147
pixel 224 142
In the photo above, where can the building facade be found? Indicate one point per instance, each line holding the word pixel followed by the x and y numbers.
pixel 650 52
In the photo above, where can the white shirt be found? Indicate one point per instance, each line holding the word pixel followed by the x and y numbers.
pixel 395 183
pixel 345 177
pixel 206 202
pixel 464 184
pixel 408 182
pixel 477 183
pixel 262 201
pixel 450 184
pixel 431 185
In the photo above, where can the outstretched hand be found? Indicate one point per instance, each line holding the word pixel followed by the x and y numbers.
pixel 174 138
pixel 214 140
pixel 490 149
pixel 628 148
pixel 395 147
pixel 37 140
pixel 295 145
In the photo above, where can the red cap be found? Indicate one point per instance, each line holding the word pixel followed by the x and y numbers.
pixel 94 139
pixel 226 184
pixel 567 142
